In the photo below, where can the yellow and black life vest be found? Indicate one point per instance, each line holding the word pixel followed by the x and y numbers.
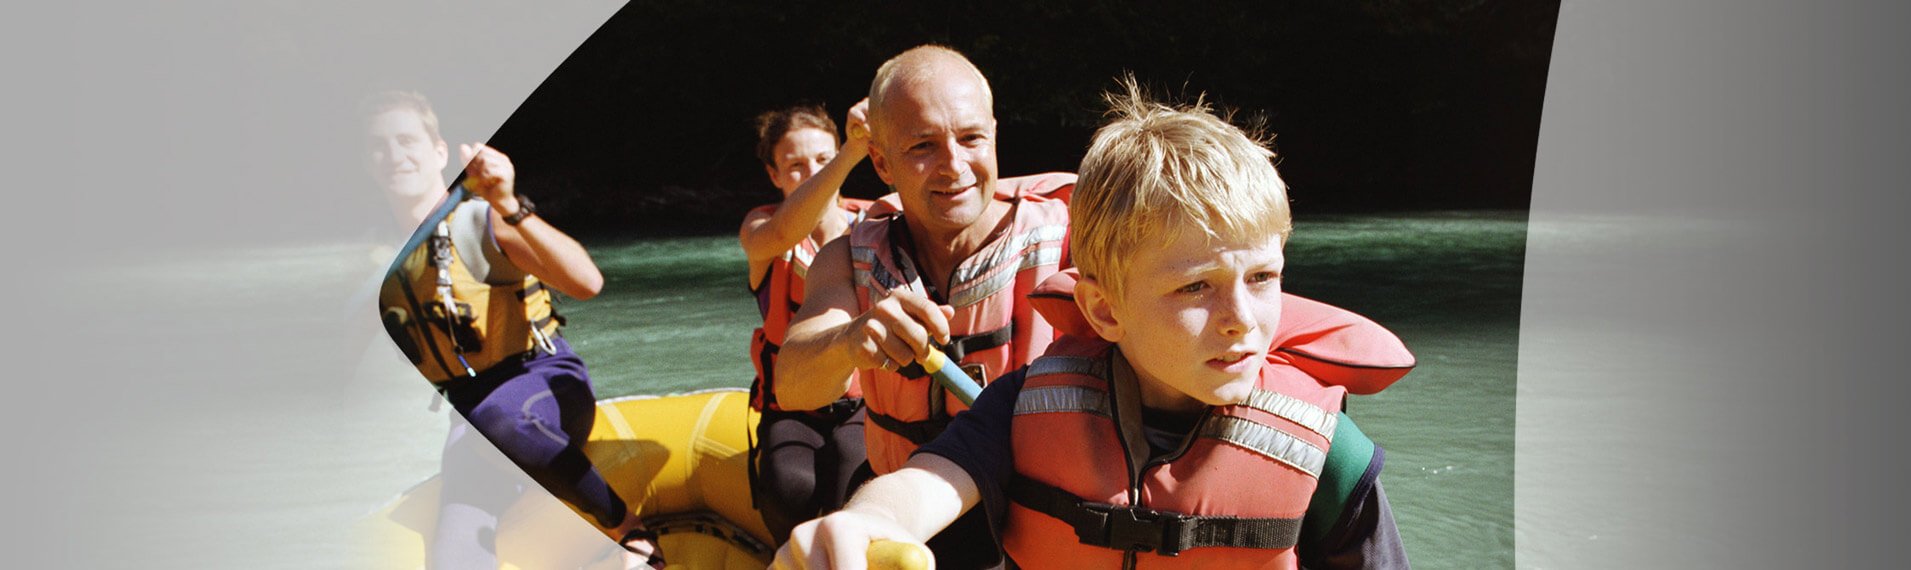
pixel 451 324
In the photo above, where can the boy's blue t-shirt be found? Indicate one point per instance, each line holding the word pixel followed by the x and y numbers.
pixel 979 441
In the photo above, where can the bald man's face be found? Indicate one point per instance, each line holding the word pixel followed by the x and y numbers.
pixel 935 145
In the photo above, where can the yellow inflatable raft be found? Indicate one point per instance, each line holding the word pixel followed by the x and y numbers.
pixel 680 460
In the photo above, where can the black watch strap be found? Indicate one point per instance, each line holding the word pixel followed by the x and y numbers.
pixel 525 210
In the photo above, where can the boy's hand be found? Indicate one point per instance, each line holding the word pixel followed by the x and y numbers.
pixel 839 541
pixel 898 330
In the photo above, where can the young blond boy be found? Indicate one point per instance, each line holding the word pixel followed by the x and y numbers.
pixel 1175 439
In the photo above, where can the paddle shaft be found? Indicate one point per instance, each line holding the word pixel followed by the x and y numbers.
pixel 453 197
pixel 951 376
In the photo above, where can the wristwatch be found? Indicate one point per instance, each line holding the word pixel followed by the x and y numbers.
pixel 525 210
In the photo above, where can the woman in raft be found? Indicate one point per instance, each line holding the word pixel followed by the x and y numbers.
pixel 803 459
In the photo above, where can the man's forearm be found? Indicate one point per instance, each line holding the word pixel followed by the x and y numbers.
pixel 811 369
pixel 809 205
pixel 555 258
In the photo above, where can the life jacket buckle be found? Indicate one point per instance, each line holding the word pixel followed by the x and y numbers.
pixel 842 408
pixel 977 371
pixel 1133 528
pixel 543 340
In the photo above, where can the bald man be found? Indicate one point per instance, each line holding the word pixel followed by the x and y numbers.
pixel 950 272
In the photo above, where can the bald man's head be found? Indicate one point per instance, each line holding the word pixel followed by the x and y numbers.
pixel 932 140
pixel 912 68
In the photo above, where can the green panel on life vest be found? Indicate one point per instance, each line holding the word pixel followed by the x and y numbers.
pixel 1347 461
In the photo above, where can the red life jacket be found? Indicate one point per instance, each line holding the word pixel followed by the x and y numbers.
pixel 1058 186
pixel 778 298
pixel 1232 496
pixel 994 329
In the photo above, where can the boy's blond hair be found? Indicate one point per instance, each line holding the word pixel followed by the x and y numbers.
pixel 1155 170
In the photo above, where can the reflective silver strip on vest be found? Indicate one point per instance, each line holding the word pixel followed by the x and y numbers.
pixel 1295 410
pixel 1049 399
pixel 1268 441
pixel 1043 256
pixel 969 284
pixel 972 293
pixel 876 278
pixel 1095 367
pixel 1049 238
pixel 1012 249
pixel 861 254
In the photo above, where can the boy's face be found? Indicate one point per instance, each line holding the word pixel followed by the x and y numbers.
pixel 1195 318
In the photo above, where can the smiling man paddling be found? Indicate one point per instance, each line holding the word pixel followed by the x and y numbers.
pixel 951 270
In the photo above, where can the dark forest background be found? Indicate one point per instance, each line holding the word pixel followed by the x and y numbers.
pixel 1378 105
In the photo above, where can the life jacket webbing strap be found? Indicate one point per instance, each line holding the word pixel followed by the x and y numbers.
pixel 1148 530
pixel 530 290
pixel 1268 441
pixel 424 330
pixel 1295 410
pixel 766 361
pixel 840 410
pixel 918 432
pixel 965 345
pixel 1052 399
pixel 969 344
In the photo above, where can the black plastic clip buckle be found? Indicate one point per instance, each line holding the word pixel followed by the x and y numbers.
pixel 1132 528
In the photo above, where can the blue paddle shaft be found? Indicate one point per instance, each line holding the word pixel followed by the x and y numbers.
pixel 455 195
pixel 951 376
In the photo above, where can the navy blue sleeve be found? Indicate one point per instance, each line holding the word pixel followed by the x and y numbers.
pixel 978 441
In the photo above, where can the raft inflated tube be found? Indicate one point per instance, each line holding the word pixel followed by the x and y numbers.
pixel 898 555
pixel 951 376
pixel 681 462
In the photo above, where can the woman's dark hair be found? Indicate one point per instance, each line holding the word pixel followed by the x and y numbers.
pixel 772 125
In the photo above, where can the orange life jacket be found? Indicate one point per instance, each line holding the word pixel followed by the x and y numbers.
pixel 779 296
pixel 1232 496
pixel 994 329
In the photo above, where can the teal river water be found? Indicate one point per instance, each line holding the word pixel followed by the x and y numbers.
pixel 675 316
